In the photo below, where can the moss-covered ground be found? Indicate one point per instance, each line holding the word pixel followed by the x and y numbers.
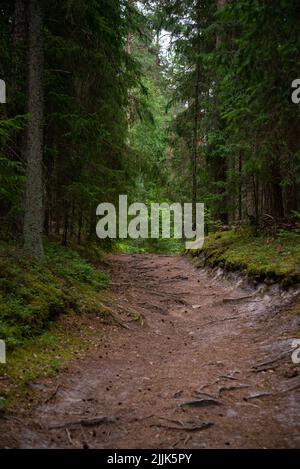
pixel 34 294
pixel 43 308
pixel 261 258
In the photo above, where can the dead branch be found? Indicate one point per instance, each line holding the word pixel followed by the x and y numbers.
pixel 274 360
pixel 229 377
pixel 258 396
pixel 291 388
pixel 200 403
pixel 85 422
pixel 232 388
pixel 187 428
pixel 240 298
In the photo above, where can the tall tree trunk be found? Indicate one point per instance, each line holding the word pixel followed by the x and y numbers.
pixel 220 5
pixel 33 221
pixel 19 55
pixel 92 223
pixel 130 113
pixel 66 224
pixel 277 209
pixel 79 226
pixel 240 187
pixel 195 145
pixel 221 169
pixel 196 121
pixel 72 219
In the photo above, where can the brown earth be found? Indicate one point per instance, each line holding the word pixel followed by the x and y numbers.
pixel 195 374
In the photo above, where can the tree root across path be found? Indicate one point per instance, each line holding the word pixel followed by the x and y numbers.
pixel 182 370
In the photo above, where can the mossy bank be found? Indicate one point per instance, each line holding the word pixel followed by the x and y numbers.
pixel 261 259
pixel 42 307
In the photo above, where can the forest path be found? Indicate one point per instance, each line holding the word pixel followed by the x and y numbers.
pixel 192 342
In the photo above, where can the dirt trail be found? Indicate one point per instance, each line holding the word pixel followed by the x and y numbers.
pixel 184 378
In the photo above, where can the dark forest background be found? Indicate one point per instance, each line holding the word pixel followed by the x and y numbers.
pixel 161 100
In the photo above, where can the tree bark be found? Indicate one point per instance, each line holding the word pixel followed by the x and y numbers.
pixel 196 122
pixel 79 226
pixel 19 53
pixel 195 145
pixel 33 220
pixel 240 187
pixel 66 225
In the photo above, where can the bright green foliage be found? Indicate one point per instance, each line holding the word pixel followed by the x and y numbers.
pixel 87 78
pixel 214 115
pixel 248 149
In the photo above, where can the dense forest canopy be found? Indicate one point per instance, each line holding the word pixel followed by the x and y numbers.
pixel 161 100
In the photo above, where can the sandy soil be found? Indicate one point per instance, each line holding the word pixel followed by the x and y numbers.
pixel 196 374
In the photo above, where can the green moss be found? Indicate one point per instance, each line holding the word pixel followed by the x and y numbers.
pixel 260 257
pixel 68 338
pixel 32 294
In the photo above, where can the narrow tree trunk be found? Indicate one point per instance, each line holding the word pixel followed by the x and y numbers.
pixel 79 226
pixel 240 187
pixel 33 221
pixel 220 5
pixel 130 115
pixel 195 145
pixel 221 169
pixel 66 225
pixel 47 220
pixel 92 222
pixel 72 219
pixel 196 119
pixel 255 201
pixel 57 225
pixel 19 52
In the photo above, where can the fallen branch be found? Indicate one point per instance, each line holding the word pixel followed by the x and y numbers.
pixel 199 394
pixel 229 377
pixel 258 396
pixel 291 388
pixel 201 403
pixel 232 388
pixel 240 298
pixel 187 428
pixel 265 368
pixel 274 360
pixel 229 318
pixel 85 422
pixel 268 394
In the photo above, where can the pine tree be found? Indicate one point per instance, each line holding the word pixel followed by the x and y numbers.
pixel 33 221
